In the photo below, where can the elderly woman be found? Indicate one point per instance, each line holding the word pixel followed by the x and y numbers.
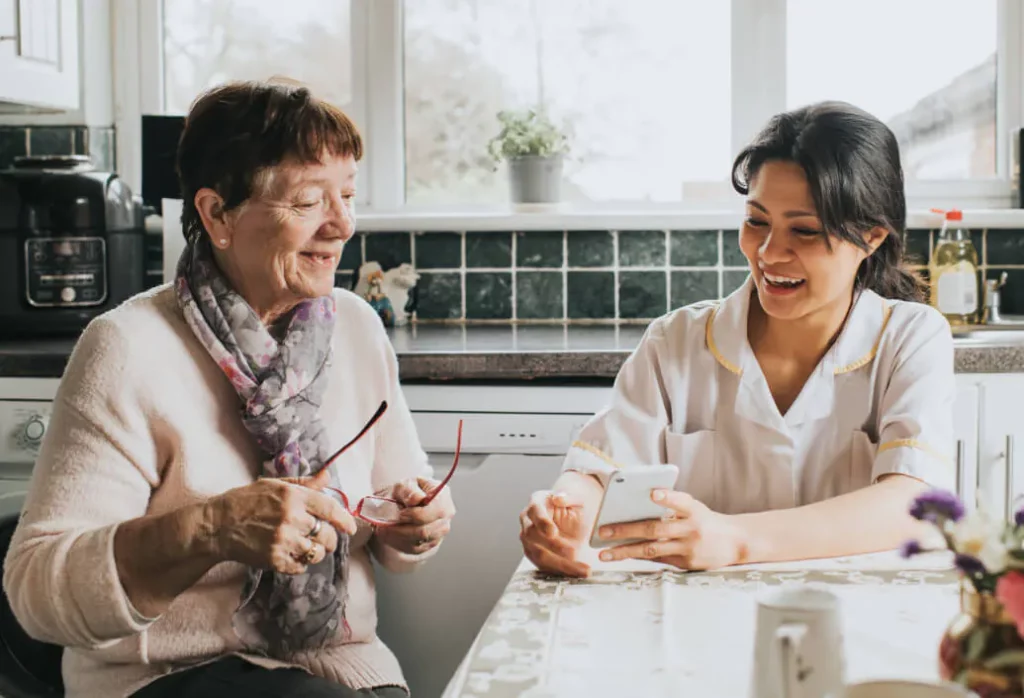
pixel 184 532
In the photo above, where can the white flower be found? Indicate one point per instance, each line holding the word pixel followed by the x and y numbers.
pixel 981 537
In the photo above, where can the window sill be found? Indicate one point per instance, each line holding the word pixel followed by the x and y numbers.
pixel 652 219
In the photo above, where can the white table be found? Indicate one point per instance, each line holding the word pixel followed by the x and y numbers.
pixel 637 629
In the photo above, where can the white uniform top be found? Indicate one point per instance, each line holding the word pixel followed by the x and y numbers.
pixel 693 394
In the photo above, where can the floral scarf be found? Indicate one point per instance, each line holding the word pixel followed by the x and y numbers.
pixel 280 386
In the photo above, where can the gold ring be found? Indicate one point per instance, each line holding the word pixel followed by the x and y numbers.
pixel 310 554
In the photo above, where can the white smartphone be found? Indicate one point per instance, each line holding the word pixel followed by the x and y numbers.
pixel 627 498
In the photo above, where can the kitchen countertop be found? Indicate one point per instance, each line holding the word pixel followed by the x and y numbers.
pixel 511 353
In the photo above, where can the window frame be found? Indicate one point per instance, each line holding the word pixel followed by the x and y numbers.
pixel 758 91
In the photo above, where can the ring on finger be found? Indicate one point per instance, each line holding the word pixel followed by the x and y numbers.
pixel 310 554
pixel 317 525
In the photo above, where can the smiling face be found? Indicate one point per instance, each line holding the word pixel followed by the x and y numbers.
pixel 284 244
pixel 795 271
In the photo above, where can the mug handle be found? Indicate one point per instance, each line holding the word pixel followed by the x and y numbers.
pixel 790 637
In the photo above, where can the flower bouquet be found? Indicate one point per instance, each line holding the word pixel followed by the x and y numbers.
pixel 983 647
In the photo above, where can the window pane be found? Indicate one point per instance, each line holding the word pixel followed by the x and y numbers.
pixel 645 93
pixel 926 67
pixel 207 42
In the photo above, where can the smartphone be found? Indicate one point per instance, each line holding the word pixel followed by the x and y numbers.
pixel 627 498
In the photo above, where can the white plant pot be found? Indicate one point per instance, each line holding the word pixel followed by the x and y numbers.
pixel 534 179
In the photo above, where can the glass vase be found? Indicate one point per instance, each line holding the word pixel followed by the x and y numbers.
pixel 981 649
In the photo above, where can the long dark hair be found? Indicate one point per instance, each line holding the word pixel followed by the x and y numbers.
pixel 852 164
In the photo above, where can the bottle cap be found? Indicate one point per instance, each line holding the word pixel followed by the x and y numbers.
pixel 952 214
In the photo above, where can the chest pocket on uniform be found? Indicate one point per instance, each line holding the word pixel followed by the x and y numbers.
pixel 694 455
pixel 862 462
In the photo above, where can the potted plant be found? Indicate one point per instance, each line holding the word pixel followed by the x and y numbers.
pixel 983 647
pixel 534 148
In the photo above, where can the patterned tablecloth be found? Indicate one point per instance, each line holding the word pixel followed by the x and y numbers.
pixel 652 631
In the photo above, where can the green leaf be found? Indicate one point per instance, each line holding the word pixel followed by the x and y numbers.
pixel 1004 660
pixel 976 642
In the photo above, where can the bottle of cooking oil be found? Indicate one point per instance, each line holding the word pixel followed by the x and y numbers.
pixel 954 272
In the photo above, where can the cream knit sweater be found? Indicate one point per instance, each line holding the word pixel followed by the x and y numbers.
pixel 144 422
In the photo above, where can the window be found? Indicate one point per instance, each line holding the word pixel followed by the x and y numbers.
pixel 207 42
pixel 648 113
pixel 927 69
pixel 657 95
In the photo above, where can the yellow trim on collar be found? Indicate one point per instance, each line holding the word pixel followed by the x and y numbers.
pixel 912 443
pixel 594 450
pixel 713 348
pixel 870 356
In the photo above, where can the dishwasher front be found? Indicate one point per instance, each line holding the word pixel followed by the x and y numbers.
pixel 429 618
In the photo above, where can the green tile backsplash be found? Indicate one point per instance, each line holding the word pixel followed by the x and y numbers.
pixel 600 275
pixel 95 141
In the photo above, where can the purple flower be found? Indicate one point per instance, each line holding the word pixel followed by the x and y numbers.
pixel 935 505
pixel 969 564
pixel 1018 518
pixel 911 548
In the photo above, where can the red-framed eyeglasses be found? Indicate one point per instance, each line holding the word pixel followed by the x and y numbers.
pixel 384 511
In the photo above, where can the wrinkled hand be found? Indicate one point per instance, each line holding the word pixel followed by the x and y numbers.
pixel 692 538
pixel 422 528
pixel 267 523
pixel 553 530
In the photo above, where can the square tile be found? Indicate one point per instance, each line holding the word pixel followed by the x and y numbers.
pixel 438 251
pixel 591 248
pixel 539 295
pixel 488 295
pixel 693 248
pixel 389 249
pixel 351 255
pixel 917 249
pixel 591 294
pixel 439 296
pixel 642 248
pixel 1005 246
pixel 732 280
pixel 489 250
pixel 693 286
pixel 642 294
pixel 51 140
pixel 344 279
pixel 12 144
pixel 541 248
pixel 731 254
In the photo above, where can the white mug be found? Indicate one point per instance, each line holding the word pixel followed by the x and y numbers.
pixel 903 689
pixel 798 651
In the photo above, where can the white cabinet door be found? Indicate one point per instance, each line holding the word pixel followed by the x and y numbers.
pixel 1001 429
pixel 965 427
pixel 39 53
pixel 430 618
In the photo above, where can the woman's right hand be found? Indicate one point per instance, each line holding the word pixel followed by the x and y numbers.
pixel 553 530
pixel 267 524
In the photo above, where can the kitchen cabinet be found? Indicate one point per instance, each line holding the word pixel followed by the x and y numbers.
pixel 39 53
pixel 995 467
pixel 965 428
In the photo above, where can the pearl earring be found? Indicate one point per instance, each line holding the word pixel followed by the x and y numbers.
pixel 223 241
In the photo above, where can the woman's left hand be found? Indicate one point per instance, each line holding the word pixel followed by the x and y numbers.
pixel 422 527
pixel 692 538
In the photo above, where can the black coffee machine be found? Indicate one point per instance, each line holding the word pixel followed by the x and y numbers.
pixel 72 246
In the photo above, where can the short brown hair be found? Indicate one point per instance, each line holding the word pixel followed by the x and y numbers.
pixel 235 132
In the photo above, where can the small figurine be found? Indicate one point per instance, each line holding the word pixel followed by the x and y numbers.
pixel 396 284
pixel 377 300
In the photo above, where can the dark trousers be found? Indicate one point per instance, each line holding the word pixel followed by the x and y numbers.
pixel 233 676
